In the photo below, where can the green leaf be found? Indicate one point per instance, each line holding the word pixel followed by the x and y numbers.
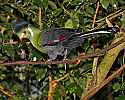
pixel 114 3
pixel 9 50
pixel 45 4
pixel 2 75
pixel 52 4
pixel 73 22
pixel 116 87
pixel 120 98
pixel 105 3
pixel 58 94
pixel 40 73
pixel 73 88
pixel 69 23
pixel 57 12
pixel 123 20
pixel 41 3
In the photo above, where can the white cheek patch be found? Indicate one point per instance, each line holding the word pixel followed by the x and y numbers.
pixel 22 35
pixel 30 30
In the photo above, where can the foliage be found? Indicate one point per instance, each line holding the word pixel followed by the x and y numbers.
pixel 31 81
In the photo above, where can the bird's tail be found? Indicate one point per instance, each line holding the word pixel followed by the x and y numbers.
pixel 88 34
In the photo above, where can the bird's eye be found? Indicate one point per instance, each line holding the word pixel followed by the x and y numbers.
pixel 24 32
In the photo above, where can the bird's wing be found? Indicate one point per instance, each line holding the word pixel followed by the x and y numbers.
pixel 77 38
pixel 57 35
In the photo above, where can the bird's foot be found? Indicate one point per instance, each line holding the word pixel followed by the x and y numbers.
pixel 65 65
pixel 49 60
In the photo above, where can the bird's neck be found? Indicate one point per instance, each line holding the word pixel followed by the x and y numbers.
pixel 35 38
pixel 31 31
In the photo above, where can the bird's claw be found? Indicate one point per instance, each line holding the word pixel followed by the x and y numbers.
pixel 49 60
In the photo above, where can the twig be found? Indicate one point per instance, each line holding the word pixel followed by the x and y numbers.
pixel 62 77
pixel 110 17
pixel 50 92
pixel 116 15
pixel 52 85
pixel 94 69
pixel 119 12
pixel 40 11
pixel 7 43
pixel 94 19
pixel 89 55
pixel 96 88
pixel 108 22
pixel 80 57
pixel 6 92
pixel 67 12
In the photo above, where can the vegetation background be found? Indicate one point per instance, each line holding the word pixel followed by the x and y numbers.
pixel 34 81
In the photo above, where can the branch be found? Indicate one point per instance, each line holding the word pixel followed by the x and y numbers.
pixel 96 88
pixel 6 92
pixel 62 78
pixel 53 84
pixel 112 15
pixel 80 57
pixel 9 43
pixel 94 19
pixel 101 22
pixel 89 55
pixel 50 92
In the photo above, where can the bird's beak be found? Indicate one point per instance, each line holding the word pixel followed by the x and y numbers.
pixel 23 35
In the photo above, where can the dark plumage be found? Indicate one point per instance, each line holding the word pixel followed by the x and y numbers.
pixel 56 41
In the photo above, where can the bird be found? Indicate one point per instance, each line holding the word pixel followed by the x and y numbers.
pixel 55 41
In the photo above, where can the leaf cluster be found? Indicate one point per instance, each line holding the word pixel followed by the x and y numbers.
pixel 31 81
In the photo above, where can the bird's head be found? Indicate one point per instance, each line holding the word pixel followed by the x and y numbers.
pixel 21 29
pixel 26 31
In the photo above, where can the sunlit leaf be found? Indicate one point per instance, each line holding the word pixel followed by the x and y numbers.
pixel 69 23
pixel 116 87
pixel 122 97
pixel 105 3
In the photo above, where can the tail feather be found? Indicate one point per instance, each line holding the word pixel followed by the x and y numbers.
pixel 98 31
pixel 77 39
